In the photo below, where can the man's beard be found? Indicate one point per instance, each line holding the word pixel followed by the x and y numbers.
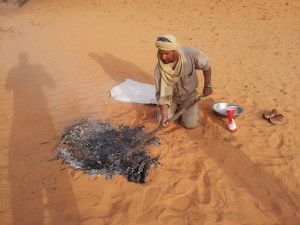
pixel 166 61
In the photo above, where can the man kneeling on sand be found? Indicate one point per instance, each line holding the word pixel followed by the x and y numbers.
pixel 176 80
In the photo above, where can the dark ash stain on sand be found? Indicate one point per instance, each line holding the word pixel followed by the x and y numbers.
pixel 100 148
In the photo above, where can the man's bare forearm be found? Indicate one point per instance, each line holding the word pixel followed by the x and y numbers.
pixel 164 111
pixel 207 76
pixel 207 89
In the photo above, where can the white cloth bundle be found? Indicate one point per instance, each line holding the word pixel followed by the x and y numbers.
pixel 133 91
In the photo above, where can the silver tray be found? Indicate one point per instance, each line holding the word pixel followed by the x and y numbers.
pixel 220 108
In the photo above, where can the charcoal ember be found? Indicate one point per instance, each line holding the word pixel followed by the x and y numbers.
pixel 100 148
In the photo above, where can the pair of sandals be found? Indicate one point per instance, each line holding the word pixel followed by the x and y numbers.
pixel 274 117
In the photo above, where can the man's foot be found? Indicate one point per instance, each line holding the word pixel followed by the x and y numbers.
pixel 270 115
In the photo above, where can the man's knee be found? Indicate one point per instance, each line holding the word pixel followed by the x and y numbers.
pixel 190 119
pixel 190 125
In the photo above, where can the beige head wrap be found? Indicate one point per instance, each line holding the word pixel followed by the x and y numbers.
pixel 168 46
pixel 169 76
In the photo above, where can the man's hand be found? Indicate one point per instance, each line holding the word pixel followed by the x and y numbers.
pixel 165 122
pixel 207 91
pixel 164 113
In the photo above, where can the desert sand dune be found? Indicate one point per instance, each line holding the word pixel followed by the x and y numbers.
pixel 58 61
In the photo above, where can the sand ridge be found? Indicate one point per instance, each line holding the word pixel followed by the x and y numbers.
pixel 58 61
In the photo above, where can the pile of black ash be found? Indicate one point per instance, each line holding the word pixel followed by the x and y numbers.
pixel 100 148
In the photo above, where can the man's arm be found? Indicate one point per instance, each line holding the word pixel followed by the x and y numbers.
pixel 207 89
pixel 164 107
pixel 202 62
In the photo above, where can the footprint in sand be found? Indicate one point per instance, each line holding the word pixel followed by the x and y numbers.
pixel 206 191
pixel 277 140
pixel 151 215
pixel 281 143
pixel 150 196
pixel 182 186
pixel 180 203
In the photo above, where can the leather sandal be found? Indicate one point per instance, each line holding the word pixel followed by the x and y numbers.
pixel 278 119
pixel 270 115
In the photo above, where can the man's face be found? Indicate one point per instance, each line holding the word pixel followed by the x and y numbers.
pixel 167 56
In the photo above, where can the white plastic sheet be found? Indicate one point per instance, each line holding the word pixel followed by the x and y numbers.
pixel 133 91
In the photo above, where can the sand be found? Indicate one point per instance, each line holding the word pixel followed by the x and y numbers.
pixel 60 58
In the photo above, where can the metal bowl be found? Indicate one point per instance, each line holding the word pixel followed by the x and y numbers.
pixel 220 108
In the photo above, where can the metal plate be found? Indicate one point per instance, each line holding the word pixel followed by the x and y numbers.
pixel 220 108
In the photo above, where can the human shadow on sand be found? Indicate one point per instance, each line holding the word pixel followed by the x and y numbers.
pixel 41 193
pixel 119 70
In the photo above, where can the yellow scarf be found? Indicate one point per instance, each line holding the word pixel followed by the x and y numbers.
pixel 168 78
